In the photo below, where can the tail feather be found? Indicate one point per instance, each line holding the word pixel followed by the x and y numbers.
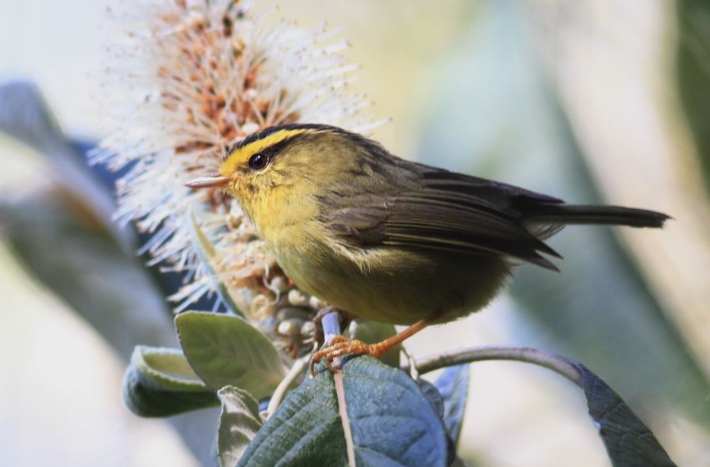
pixel 606 215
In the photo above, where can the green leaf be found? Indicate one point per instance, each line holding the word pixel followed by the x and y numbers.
pixel 305 430
pixel 453 387
pixel 391 421
pixel 238 424
pixel 628 441
pixel 159 382
pixel 207 254
pixel 436 401
pixel 225 350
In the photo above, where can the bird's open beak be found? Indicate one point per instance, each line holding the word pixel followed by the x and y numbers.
pixel 211 180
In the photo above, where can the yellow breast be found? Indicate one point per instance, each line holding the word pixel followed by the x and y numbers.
pixel 392 285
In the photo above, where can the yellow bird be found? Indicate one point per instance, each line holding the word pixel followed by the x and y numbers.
pixel 387 239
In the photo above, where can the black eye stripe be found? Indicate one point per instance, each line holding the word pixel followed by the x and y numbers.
pixel 271 130
pixel 270 152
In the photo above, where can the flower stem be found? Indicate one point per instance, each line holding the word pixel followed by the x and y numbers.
pixel 344 418
pixel 296 371
pixel 551 361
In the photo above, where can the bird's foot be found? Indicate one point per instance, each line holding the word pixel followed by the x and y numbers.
pixel 341 346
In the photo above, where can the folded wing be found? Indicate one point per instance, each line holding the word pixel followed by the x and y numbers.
pixel 443 211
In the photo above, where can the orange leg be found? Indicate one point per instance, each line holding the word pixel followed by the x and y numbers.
pixel 342 345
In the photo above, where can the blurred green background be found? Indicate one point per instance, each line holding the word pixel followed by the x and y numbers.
pixel 592 101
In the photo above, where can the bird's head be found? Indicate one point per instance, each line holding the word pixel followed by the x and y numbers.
pixel 282 166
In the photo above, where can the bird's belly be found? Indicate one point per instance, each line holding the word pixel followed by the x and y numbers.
pixel 399 286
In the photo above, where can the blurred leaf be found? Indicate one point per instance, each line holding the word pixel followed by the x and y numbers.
pixel 25 116
pixel 88 191
pixel 628 441
pixel 64 237
pixel 238 424
pixel 693 72
pixel 431 393
pixel 168 281
pixel 159 382
pixel 496 117
pixel 392 423
pixel 433 396
pixel 206 251
pixel 373 332
pixel 458 462
pixel 87 269
pixel 225 350
pixel 453 387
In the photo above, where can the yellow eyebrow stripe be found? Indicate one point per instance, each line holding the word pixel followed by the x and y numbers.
pixel 241 155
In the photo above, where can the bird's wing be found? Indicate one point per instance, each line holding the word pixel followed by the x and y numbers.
pixel 444 211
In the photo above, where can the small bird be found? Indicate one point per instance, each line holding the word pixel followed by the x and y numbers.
pixel 387 239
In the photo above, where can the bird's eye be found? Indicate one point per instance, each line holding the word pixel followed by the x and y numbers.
pixel 258 161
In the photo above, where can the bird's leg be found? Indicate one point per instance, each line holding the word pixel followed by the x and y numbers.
pixel 342 345
pixel 345 319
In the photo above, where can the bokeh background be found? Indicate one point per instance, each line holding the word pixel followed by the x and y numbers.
pixel 592 101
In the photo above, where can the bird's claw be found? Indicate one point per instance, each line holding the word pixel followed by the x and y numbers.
pixel 340 346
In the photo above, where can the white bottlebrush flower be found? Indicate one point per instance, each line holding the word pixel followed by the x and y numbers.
pixel 191 79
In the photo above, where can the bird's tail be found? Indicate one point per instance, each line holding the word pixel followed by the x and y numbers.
pixel 607 215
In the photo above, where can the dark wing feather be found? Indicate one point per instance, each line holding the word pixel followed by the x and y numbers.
pixel 509 200
pixel 441 211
